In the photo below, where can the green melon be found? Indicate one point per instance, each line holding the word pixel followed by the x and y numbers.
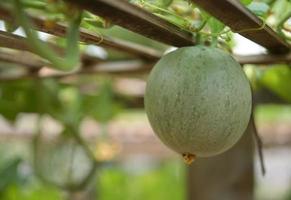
pixel 198 101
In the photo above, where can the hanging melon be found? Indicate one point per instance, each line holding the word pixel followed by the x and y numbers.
pixel 198 101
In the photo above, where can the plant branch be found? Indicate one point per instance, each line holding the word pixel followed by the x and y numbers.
pixel 257 138
pixel 72 57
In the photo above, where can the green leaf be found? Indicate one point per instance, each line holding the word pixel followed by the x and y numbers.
pixel 9 174
pixel 165 3
pixel 71 106
pixel 102 106
pixel 160 3
pixel 12 99
pixel 280 9
pixel 28 96
pixel 178 21
pixel 278 80
pixel 246 2
pixel 124 34
pixel 215 25
pixel 259 8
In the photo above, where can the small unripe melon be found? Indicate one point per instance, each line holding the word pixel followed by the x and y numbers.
pixel 198 101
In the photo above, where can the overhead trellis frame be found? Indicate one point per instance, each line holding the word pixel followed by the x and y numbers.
pixel 242 21
pixel 91 64
pixel 89 38
pixel 147 24
pixel 140 21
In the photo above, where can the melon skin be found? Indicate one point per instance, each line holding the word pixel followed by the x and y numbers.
pixel 198 101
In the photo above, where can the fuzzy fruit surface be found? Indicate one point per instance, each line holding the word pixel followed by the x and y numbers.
pixel 198 100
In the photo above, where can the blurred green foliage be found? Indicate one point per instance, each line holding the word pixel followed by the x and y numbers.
pixel 288 197
pixel 9 175
pixel 162 182
pixel 159 181
pixel 276 78
pixel 259 8
pixel 246 2
pixel 64 102
pixel 32 192
pixel 68 105
pixel 273 113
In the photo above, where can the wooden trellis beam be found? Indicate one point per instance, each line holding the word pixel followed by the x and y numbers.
pixel 31 62
pixel 118 68
pixel 139 51
pixel 262 59
pixel 12 41
pixel 138 20
pixel 242 21
pixel 9 40
pixel 231 12
pixel 23 59
pixel 90 38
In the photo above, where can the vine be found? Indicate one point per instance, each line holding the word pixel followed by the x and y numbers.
pixel 72 57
